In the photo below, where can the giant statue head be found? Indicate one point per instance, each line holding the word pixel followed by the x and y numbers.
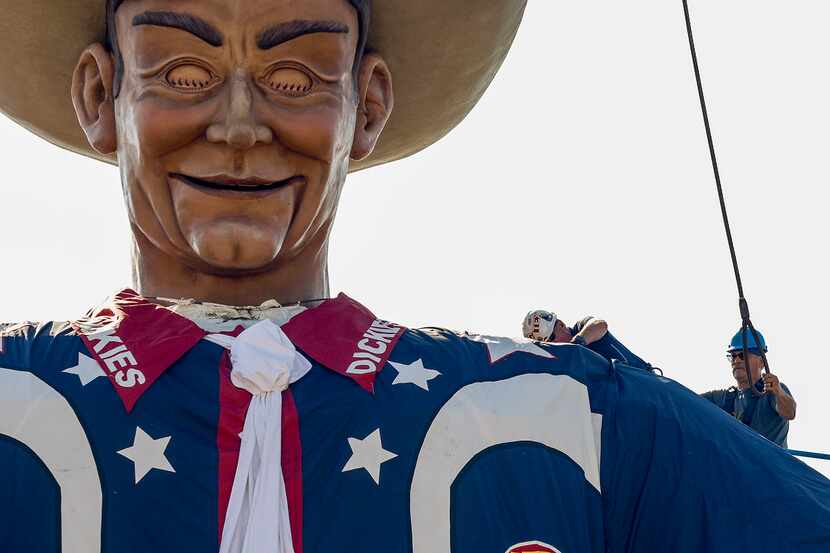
pixel 235 123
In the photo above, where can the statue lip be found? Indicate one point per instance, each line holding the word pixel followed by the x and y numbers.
pixel 234 184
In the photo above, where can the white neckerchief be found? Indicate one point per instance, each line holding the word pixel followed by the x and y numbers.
pixel 265 363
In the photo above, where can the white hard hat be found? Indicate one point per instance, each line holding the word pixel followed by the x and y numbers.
pixel 539 325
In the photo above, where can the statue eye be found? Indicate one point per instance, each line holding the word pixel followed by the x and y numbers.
pixel 288 81
pixel 189 77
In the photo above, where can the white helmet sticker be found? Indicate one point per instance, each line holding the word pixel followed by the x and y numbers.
pixel 539 325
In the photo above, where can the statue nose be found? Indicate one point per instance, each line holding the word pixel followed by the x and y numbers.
pixel 240 129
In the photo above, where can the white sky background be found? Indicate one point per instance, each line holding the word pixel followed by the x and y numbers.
pixel 581 183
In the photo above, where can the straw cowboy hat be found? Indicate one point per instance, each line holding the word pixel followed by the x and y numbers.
pixel 442 53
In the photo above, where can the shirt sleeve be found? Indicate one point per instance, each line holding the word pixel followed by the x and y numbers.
pixel 715 396
pixel 719 398
pixel 681 475
pixel 580 324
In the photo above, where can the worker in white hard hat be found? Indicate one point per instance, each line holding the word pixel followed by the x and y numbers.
pixel 591 332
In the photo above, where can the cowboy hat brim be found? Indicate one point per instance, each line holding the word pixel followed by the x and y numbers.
pixel 443 54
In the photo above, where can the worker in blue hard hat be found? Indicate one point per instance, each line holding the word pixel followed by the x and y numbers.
pixel 591 332
pixel 769 414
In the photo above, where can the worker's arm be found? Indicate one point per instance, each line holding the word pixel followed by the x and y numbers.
pixel 592 331
pixel 784 402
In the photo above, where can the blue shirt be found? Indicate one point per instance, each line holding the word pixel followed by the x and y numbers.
pixel 611 348
pixel 119 433
pixel 759 413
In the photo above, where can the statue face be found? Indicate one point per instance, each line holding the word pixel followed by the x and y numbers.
pixel 235 124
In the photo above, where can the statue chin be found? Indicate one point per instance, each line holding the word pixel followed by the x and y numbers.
pixel 231 246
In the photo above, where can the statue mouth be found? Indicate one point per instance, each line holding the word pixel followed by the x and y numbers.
pixel 232 184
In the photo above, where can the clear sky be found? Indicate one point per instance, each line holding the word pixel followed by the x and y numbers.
pixel 581 183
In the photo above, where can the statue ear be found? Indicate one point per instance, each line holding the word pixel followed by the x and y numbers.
pixel 376 100
pixel 92 97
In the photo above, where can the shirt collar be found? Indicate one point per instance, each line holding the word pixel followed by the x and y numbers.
pixel 135 341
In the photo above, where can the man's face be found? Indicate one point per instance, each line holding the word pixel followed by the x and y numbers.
pixel 561 333
pixel 755 362
pixel 235 122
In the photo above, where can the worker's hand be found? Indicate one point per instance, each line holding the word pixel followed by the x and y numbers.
pixel 772 384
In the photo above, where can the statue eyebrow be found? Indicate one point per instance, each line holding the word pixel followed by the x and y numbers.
pixel 185 22
pixel 283 32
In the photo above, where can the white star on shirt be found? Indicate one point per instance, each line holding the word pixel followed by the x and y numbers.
pixel 498 348
pixel 147 454
pixel 87 369
pixel 414 373
pixel 368 454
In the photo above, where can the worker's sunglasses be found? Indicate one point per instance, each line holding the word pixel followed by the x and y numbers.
pixel 737 355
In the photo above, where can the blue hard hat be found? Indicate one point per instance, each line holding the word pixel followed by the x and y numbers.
pixel 737 342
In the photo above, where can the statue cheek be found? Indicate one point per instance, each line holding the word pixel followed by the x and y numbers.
pixel 161 127
pixel 316 132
